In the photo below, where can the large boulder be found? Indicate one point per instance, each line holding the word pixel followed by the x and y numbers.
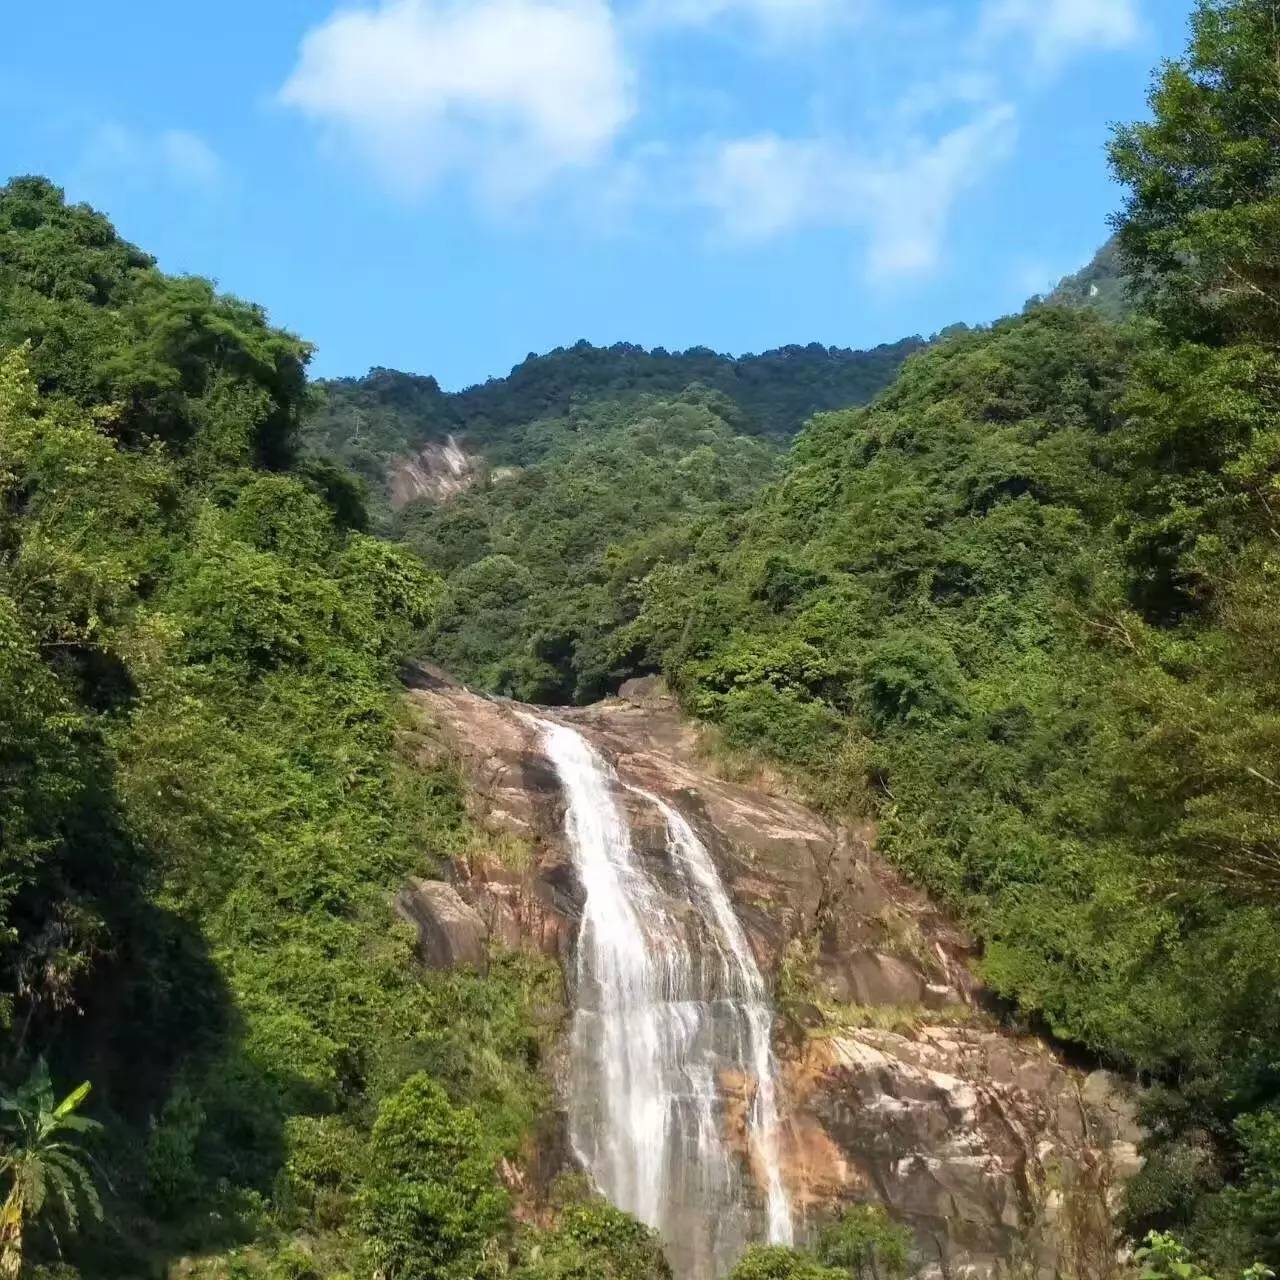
pixel 995 1153
pixel 450 932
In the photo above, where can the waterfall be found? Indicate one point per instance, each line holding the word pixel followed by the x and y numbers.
pixel 669 1007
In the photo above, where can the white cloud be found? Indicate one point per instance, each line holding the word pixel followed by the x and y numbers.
pixel 963 87
pixel 778 14
pixel 511 91
pixel 174 156
pixel 767 185
pixel 189 158
pixel 1060 29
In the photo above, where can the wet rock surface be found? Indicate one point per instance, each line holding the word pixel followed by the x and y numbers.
pixel 897 1088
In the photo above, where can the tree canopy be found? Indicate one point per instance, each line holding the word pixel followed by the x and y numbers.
pixel 204 809
pixel 1022 609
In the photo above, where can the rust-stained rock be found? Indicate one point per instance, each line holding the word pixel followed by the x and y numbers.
pixel 991 1149
pixel 999 1156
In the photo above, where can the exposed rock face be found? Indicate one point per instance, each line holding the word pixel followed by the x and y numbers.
pixel 437 471
pixel 997 1155
pixel 451 933
pixel 897 1088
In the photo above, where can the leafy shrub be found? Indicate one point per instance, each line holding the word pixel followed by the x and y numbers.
pixel 865 1243
pixel 773 1262
pixel 594 1241
pixel 911 677
pixel 174 1177
pixel 431 1206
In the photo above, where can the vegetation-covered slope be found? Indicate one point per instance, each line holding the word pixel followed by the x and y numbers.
pixel 365 422
pixel 1024 609
pixel 203 818
pixel 538 563
pixel 1026 605
pixel 1101 285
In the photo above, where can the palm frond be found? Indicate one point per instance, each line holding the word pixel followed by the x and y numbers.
pixel 65 1193
pixel 79 1124
pixel 35 1188
pixel 72 1101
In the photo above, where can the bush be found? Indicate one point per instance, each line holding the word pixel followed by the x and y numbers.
pixel 911 677
pixel 773 1262
pixel 865 1243
pixel 431 1207
pixel 594 1241
pixel 173 1176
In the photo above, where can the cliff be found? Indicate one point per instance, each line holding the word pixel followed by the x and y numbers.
pixel 898 1085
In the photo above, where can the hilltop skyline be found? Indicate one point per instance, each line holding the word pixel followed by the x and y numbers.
pixel 445 188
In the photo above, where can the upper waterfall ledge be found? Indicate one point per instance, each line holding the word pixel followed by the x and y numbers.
pixel 895 1086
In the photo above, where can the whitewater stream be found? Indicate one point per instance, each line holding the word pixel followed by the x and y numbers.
pixel 672 1024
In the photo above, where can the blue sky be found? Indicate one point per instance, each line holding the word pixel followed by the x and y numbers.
pixel 446 185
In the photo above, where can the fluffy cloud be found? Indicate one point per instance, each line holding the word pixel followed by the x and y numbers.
pixel 767 185
pixel 511 91
pixel 1059 29
pixel 513 94
pixel 779 14
pixel 173 156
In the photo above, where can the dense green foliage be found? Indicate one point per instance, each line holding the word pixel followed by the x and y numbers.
pixel 865 1244
pixel 1163 1257
pixel 366 422
pixel 430 1205
pixel 860 1244
pixel 774 1262
pixel 1047 661
pixel 593 1241
pixel 47 1172
pixel 537 563
pixel 201 802
pixel 1025 609
pixel 1101 285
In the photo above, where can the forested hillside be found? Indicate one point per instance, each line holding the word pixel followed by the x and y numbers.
pixel 366 422
pixel 204 814
pixel 1100 284
pixel 1028 601
pixel 1023 610
pixel 539 563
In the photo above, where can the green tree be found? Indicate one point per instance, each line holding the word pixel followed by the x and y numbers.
pixel 1200 231
pixel 48 1174
pixel 594 1241
pixel 431 1208
pixel 1257 1200
pixel 865 1243
pixel 1164 1257
pixel 774 1262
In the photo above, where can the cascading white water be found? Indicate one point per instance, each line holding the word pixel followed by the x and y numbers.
pixel 669 1003
pixel 742 979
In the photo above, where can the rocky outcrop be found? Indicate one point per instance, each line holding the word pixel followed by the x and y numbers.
pixel 451 933
pixel 897 1087
pixel 438 471
pixel 997 1155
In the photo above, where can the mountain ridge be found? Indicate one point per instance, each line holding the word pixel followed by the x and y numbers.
pixel 366 422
